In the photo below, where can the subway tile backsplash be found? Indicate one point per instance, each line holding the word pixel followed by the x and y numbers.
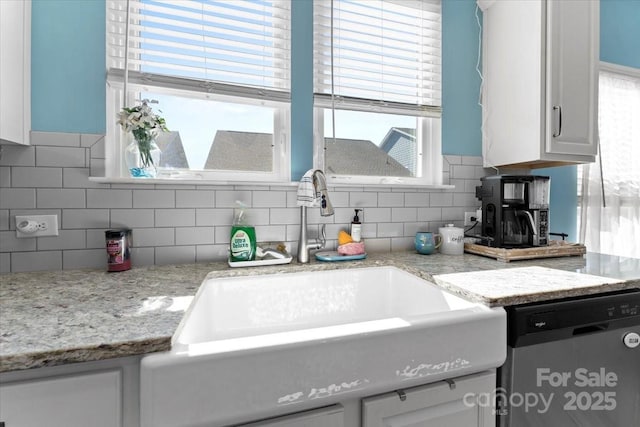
pixel 187 223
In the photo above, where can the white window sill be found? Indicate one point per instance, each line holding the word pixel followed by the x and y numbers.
pixel 182 181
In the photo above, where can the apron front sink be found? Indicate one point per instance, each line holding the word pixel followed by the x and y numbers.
pixel 257 346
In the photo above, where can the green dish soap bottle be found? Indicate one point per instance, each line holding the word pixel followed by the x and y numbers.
pixel 243 237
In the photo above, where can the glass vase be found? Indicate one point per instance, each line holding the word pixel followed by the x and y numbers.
pixel 142 158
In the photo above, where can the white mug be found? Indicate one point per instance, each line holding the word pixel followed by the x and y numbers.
pixel 452 240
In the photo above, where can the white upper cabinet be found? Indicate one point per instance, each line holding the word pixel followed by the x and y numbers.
pixel 540 91
pixel 15 71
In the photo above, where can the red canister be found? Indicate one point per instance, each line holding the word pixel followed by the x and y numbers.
pixel 118 249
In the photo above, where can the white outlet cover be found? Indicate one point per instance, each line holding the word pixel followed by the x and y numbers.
pixel 467 218
pixel 51 222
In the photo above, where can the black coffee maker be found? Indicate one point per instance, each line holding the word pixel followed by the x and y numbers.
pixel 515 210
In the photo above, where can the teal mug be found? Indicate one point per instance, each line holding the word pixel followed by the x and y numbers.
pixel 426 242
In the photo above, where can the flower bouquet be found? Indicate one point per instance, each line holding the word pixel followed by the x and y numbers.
pixel 142 155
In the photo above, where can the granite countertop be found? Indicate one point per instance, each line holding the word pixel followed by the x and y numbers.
pixel 54 318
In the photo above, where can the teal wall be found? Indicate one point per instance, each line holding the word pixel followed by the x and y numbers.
pixel 620 32
pixel 68 79
pixel 563 204
pixel 68 66
pixel 461 114
pixel 301 88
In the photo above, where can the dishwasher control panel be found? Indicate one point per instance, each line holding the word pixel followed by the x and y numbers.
pixel 571 317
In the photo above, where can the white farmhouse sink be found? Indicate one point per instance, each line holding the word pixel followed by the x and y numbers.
pixel 258 346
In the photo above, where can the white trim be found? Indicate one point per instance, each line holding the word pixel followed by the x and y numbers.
pixel 620 69
pixel 293 184
pixel 197 86
pixel 430 150
pixel 375 106
pixel 376 181
pixel 26 63
pixel 318 139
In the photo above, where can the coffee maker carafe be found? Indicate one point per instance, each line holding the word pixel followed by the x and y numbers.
pixel 515 210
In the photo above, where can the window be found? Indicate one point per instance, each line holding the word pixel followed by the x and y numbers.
pixel 220 71
pixel 612 225
pixel 377 84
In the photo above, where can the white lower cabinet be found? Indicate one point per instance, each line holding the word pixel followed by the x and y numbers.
pixel 89 394
pixel 462 402
pixel 330 416
pixel 73 401
pixel 106 394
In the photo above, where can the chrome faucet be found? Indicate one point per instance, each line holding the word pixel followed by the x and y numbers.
pixel 320 192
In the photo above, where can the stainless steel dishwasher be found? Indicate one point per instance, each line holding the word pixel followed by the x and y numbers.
pixel 574 362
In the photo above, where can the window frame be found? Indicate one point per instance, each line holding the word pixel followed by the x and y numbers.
pixel 116 139
pixel 429 151
pixel 429 166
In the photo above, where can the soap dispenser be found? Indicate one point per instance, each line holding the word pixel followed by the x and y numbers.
pixel 356 227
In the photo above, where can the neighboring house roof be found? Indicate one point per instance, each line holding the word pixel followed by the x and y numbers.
pixel 360 157
pixel 252 151
pixel 249 151
pixel 400 143
pixel 173 155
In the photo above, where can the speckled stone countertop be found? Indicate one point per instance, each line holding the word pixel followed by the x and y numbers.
pixel 53 318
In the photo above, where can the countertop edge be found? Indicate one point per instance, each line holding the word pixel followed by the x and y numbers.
pixel 56 357
pixel 44 359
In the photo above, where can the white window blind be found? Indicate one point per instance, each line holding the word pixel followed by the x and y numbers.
pixel 239 48
pixel 386 55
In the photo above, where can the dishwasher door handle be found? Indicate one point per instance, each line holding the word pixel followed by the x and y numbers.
pixel 591 328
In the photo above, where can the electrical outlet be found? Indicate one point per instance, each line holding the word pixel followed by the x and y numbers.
pixel 467 218
pixel 36 226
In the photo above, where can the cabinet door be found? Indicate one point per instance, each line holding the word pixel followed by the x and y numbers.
pixel 572 76
pixel 331 416
pixel 75 401
pixel 15 71
pixel 441 404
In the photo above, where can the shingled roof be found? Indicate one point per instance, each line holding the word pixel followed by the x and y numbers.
pixel 173 155
pixel 252 151
pixel 360 157
pixel 249 151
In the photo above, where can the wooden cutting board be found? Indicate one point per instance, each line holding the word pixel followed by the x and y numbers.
pixel 556 248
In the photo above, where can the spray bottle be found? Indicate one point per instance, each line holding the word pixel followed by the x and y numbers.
pixel 243 236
